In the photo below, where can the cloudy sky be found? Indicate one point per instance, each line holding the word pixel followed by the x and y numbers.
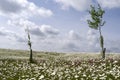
pixel 57 25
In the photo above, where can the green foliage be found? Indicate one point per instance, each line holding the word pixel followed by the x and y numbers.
pixel 96 23
pixel 96 15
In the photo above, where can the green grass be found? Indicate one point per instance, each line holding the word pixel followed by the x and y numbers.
pixel 23 54
pixel 14 65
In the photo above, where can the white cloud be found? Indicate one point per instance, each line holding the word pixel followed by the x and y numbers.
pixel 8 6
pixel 71 42
pixel 112 45
pixel 79 5
pixel 65 43
pixel 93 38
pixel 37 30
pixel 22 8
pixel 11 35
pixel 85 18
pixel 21 23
pixel 109 3
pixel 46 37
pixel 74 42
pixel 70 47
pixel 72 35
pixel 47 29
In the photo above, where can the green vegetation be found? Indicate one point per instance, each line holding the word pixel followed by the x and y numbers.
pixel 96 23
pixel 14 65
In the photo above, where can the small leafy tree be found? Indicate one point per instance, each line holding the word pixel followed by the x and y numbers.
pixel 96 23
pixel 30 45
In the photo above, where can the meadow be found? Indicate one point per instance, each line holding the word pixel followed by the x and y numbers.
pixel 14 65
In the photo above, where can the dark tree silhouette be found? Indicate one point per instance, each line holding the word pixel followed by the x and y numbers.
pixel 30 45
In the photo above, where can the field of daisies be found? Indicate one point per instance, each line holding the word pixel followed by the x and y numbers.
pixel 14 65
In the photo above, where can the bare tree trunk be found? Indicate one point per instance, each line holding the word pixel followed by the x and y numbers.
pixel 31 59
pixel 104 50
pixel 30 45
pixel 102 44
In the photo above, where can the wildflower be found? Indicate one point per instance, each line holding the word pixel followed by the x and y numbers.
pixel 32 79
pixel 41 77
pixel 115 62
pixel 53 73
pixel 84 75
pixel 76 76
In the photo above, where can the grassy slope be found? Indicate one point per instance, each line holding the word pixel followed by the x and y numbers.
pixel 22 54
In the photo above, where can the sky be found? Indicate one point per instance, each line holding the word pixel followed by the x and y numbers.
pixel 58 25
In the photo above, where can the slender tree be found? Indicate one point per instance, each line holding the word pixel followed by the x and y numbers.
pixel 96 23
pixel 30 45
